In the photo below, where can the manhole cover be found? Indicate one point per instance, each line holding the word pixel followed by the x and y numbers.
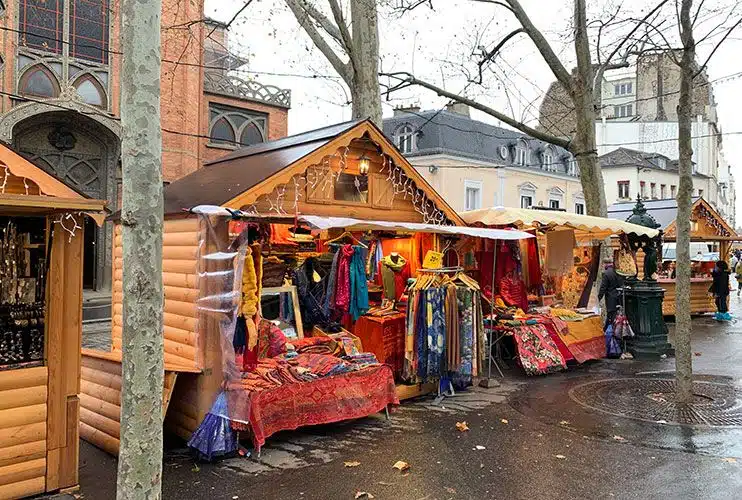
pixel 653 400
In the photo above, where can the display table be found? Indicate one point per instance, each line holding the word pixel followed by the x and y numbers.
pixel 323 401
pixel 384 336
pixel 585 339
pixel 700 300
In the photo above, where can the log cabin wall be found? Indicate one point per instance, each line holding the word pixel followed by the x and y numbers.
pixel 180 280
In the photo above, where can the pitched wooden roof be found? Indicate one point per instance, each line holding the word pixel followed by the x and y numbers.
pixel 27 188
pixel 239 178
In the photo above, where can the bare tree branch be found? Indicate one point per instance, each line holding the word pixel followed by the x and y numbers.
pixel 342 25
pixel 305 20
pixel 608 64
pixel 487 57
pixel 726 35
pixel 406 80
pixel 560 72
pixel 322 20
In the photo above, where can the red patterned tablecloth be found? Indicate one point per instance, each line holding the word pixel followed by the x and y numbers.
pixel 323 401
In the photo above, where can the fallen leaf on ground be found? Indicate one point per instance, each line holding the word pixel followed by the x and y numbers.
pixel 564 422
pixel 450 490
pixel 462 426
pixel 351 464
pixel 504 421
pixel 619 438
pixel 696 353
pixel 730 460
pixel 196 468
pixel 560 457
pixel 363 494
pixel 479 447
pixel 402 466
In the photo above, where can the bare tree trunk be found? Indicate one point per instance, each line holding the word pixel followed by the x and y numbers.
pixel 683 354
pixel 365 90
pixel 583 97
pixel 140 457
pixel 361 48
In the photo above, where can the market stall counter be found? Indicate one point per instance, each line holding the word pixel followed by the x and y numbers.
pixel 263 302
pixel 543 288
pixel 708 229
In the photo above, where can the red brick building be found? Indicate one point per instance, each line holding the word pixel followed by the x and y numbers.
pixel 60 100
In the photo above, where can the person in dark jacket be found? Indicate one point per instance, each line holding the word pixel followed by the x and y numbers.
pixel 720 289
pixel 610 287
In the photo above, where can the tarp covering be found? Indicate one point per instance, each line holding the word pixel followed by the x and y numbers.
pixel 524 218
pixel 350 224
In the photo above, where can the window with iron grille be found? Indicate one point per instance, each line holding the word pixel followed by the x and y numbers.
pixel 40 23
pixel 235 127
pixel 89 22
pixel 41 27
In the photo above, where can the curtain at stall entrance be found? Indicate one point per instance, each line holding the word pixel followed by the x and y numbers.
pixel 220 266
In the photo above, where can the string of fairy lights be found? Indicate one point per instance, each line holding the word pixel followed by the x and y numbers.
pixel 324 176
pixel 67 222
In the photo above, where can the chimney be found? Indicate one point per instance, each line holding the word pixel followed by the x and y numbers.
pixel 406 110
pixel 458 108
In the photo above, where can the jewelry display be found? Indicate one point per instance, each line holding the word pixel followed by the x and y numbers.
pixel 23 264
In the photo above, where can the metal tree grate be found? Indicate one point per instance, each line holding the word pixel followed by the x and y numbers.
pixel 653 400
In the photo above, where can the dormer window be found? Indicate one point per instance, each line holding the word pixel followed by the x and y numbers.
pixel 662 163
pixel 404 138
pixel 521 153
pixel 547 160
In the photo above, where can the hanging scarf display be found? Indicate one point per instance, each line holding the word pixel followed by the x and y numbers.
pixel 465 307
pixel 436 326
pixel 250 299
pixel 329 302
pixel 358 285
pixel 453 349
pixel 342 288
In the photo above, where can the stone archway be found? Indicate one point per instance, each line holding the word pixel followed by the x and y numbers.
pixel 84 154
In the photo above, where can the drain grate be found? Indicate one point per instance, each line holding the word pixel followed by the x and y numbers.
pixel 653 400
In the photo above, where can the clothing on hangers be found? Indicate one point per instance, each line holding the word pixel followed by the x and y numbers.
pixel 394 272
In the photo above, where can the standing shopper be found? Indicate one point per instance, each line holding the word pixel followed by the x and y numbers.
pixel 720 290
pixel 609 288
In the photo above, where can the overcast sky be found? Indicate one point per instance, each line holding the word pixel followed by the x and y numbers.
pixel 437 46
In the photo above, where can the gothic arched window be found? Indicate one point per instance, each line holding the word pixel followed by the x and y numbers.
pixel 236 127
pixel 39 81
pixel 90 91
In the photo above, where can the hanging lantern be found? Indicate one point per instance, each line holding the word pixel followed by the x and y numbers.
pixel 363 164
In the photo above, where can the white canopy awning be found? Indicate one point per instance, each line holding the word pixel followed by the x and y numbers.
pixel 350 224
pixel 365 225
pixel 525 218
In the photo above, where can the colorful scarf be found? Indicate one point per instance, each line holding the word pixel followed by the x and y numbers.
pixel 342 289
pixel 358 286
pixel 389 269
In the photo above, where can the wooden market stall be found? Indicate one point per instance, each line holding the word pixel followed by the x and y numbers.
pixel 346 170
pixel 41 262
pixel 707 227
pixel 568 259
